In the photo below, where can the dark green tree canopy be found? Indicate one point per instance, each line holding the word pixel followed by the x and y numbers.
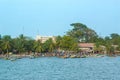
pixel 115 38
pixel 68 43
pixel 81 32
pixel 114 35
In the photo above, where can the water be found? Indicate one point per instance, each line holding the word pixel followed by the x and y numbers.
pixel 106 68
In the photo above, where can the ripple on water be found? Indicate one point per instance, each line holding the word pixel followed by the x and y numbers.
pixel 105 68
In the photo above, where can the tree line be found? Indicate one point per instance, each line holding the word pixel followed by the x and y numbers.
pixel 80 33
pixel 85 34
pixel 23 44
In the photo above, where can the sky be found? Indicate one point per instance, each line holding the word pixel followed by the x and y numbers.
pixel 53 17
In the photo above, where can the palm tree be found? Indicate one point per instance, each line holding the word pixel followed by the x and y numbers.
pixel 29 45
pixel 6 43
pixel 51 48
pixel 39 49
pixel 38 46
pixel 7 46
pixel 58 41
pixel 19 43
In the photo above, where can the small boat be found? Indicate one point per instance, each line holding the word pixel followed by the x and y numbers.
pixel 13 59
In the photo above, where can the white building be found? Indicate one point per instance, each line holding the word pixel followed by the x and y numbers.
pixel 44 38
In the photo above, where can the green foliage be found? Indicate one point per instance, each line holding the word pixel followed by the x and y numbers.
pixel 58 42
pixel 82 32
pixel 115 38
pixel 29 45
pixel 6 43
pixel 118 48
pixel 69 43
pixel 19 43
pixel 38 46
pixel 109 47
pixel 114 35
pixel 49 46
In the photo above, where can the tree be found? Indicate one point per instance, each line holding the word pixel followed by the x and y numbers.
pixel 115 38
pixel 69 43
pixel 6 43
pixel 0 37
pixel 49 46
pixel 114 35
pixel 58 40
pixel 108 46
pixel 118 48
pixel 29 45
pixel 0 45
pixel 38 46
pixel 81 32
pixel 19 43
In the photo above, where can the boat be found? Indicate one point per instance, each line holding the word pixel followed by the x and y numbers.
pixel 13 59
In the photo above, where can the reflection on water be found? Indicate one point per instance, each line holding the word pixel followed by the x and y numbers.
pixel 106 68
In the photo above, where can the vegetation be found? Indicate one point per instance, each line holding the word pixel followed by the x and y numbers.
pixel 82 33
pixel 69 42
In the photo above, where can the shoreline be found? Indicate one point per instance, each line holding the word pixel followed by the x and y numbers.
pixel 13 57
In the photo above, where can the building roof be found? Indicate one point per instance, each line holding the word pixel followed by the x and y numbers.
pixel 86 45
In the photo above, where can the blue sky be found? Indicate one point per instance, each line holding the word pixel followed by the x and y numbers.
pixel 53 17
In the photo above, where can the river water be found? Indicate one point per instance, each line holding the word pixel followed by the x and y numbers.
pixel 51 68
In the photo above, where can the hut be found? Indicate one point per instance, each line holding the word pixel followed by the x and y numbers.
pixel 86 47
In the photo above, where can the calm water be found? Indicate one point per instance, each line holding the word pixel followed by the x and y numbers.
pixel 105 68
